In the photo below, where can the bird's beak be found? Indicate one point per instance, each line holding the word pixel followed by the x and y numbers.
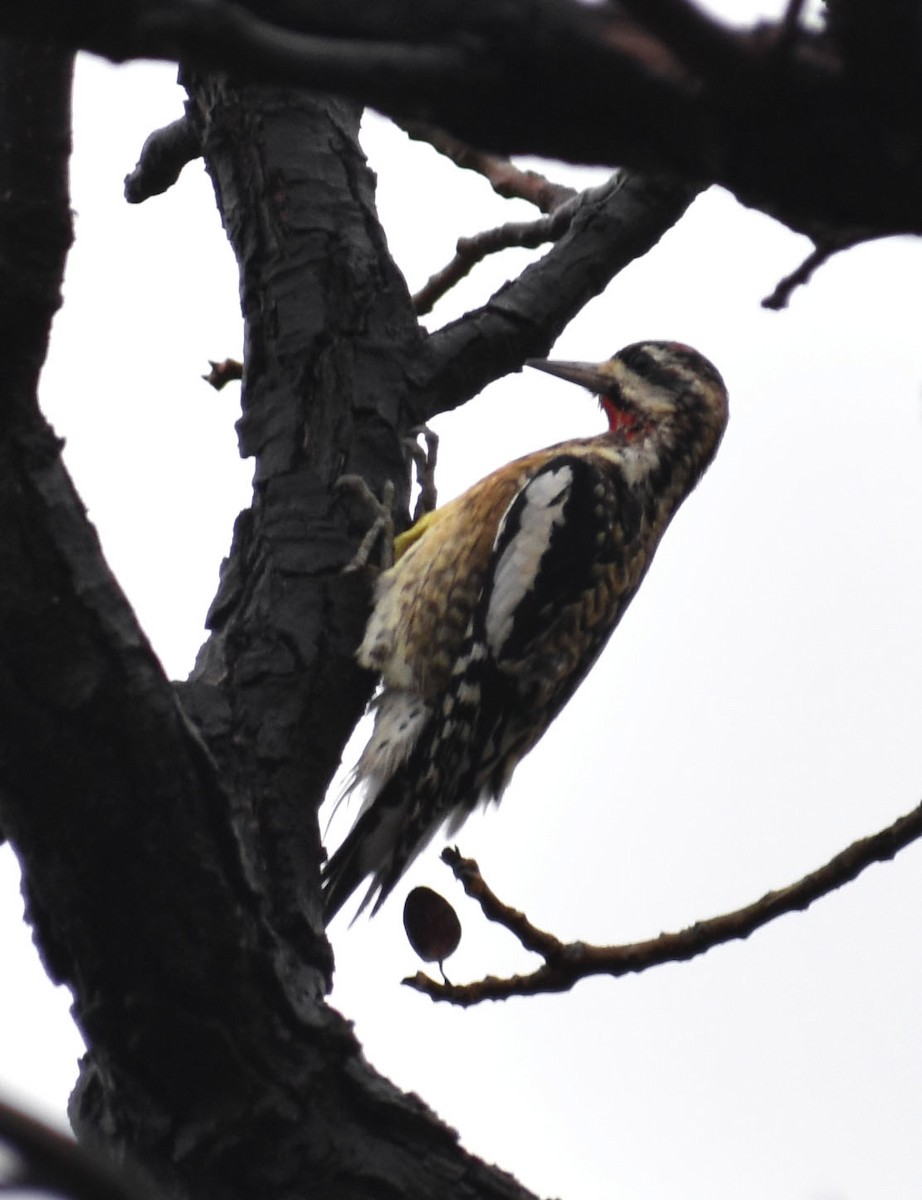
pixel 587 375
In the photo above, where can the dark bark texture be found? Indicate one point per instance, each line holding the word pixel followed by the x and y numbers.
pixel 168 832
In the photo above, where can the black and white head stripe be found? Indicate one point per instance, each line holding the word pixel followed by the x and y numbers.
pixel 665 364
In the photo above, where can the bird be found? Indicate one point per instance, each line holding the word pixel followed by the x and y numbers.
pixel 499 602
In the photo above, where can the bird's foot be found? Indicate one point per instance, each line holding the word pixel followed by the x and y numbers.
pixel 382 524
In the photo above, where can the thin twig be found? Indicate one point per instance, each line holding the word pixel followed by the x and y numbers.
pixel 821 254
pixel 566 963
pixel 466 871
pixel 469 251
pixel 506 179
pixel 222 373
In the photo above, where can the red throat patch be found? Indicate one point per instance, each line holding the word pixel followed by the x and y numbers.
pixel 619 421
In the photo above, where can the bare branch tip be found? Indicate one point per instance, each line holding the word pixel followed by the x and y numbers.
pixel 565 963
pixel 821 253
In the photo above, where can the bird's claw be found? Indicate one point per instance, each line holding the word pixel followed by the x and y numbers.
pixel 382 525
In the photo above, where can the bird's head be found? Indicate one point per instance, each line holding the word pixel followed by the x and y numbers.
pixel 650 385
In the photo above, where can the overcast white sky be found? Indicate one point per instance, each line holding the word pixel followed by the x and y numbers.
pixel 757 709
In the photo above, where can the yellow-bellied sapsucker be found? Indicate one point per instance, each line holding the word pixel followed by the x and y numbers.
pixel 500 601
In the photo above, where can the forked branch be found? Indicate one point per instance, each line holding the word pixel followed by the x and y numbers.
pixel 469 251
pixel 565 963
pixel 555 200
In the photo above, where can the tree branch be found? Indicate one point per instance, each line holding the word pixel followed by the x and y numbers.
pixel 826 135
pixel 526 235
pixel 506 179
pixel 566 963
pixel 163 156
pixel 802 275
pixel 611 227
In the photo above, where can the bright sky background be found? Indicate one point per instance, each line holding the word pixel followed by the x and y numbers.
pixel 756 711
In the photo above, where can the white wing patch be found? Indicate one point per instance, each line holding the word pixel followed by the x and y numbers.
pixel 541 503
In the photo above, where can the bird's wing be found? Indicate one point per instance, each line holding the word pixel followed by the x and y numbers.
pixel 564 561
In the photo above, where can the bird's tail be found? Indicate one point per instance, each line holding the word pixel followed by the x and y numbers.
pixel 382 843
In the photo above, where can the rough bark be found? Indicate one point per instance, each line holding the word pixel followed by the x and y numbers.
pixel 168 833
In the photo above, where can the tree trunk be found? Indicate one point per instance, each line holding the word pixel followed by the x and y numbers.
pixel 168 833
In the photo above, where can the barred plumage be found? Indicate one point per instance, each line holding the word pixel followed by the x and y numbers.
pixel 500 601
